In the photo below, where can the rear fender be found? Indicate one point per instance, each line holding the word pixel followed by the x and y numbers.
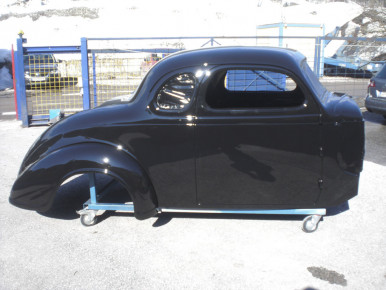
pixel 36 186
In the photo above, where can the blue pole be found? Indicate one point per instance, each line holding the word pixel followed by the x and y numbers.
pixel 319 56
pixel 323 43
pixel 281 32
pixel 94 80
pixel 85 73
pixel 316 56
pixel 20 82
pixel 91 178
pixel 18 105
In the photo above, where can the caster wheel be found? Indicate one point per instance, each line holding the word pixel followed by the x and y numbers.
pixel 310 223
pixel 88 219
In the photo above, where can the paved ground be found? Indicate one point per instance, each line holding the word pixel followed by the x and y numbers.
pixel 7 105
pixel 181 251
pixel 375 137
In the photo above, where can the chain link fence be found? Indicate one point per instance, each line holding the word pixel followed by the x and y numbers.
pixel 52 83
pixel 73 79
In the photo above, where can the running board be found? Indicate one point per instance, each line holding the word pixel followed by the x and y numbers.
pixel 129 207
pixel 314 211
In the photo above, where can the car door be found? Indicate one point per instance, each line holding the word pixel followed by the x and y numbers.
pixel 165 145
pixel 257 140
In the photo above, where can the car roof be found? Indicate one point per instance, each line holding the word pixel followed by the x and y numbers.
pixel 382 73
pixel 228 55
pixel 234 54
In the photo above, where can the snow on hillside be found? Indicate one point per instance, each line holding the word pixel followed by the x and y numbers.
pixel 371 23
pixel 64 22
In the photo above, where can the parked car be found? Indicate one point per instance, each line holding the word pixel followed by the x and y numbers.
pixel 41 70
pixel 376 98
pixel 229 129
pixel 149 61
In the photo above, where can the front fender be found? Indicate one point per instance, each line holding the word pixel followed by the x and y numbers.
pixel 37 184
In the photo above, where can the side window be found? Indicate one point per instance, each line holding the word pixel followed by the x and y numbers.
pixel 239 88
pixel 177 92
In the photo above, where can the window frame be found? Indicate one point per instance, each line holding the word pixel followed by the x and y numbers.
pixel 309 105
pixel 164 80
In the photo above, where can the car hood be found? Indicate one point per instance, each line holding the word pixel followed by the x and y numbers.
pixel 40 67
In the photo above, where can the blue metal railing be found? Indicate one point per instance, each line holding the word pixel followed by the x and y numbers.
pixel 85 74
pixel 84 51
pixel 20 83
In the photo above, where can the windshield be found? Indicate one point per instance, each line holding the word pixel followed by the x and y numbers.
pixel 318 88
pixel 38 58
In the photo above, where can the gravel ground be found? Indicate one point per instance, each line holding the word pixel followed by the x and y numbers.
pixel 181 251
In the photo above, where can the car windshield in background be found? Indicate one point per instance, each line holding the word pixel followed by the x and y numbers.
pixel 38 58
pixel 313 80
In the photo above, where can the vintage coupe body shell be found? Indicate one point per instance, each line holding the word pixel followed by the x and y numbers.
pixel 197 157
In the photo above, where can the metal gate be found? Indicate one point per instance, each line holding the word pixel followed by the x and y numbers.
pixel 67 79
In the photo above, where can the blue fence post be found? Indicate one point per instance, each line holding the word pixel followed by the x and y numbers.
pixel 20 82
pixel 323 45
pixel 319 43
pixel 85 73
pixel 281 33
pixel 94 83
pixel 315 54
pixel 16 67
pixel 317 57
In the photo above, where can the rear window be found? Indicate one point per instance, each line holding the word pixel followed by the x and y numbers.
pixel 382 73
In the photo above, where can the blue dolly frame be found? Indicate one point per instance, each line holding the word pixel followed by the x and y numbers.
pixel 88 215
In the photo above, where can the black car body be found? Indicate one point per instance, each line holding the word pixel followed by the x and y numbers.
pixel 229 127
pixel 41 70
pixel 376 97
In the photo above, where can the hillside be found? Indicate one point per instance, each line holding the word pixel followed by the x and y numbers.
pixel 64 22
pixel 371 23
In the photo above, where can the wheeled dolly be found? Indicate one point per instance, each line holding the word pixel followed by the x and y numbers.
pixel 311 222
pixel 88 215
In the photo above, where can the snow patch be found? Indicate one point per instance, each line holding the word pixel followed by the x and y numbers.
pixel 366 20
